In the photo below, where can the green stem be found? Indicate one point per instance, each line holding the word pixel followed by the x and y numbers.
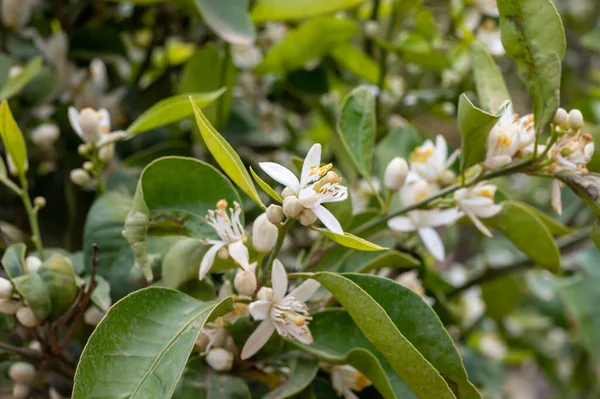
pixel 32 216
pixel 275 252
pixel 98 169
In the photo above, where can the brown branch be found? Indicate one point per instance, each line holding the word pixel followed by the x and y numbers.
pixel 25 352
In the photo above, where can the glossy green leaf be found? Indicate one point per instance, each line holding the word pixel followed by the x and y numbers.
pixel 199 381
pixel 265 187
pixel 532 34
pixel 281 10
pixel 491 89
pixel 357 128
pixel 59 277
pixel 13 260
pixel 350 241
pixel 338 340
pixel 35 294
pixel 556 228
pixel 13 140
pixel 302 372
pixel 16 84
pixel 475 125
pixel 226 157
pixel 501 296
pixel 364 262
pixel 357 62
pixel 312 40
pixel 420 325
pixel 182 262
pixel 528 232
pixel 379 327
pixel 229 19
pixel 117 363
pixel 170 110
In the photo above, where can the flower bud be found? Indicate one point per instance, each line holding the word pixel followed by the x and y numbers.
pixel 9 305
pixel 223 253
pixel 265 294
pixel 6 288
pixel 287 192
pixel 372 28
pixel 39 202
pixel 26 317
pixel 201 342
pixel 33 264
pixel 92 316
pixel 275 214
pixel 88 166
pixel 219 359
pixel 83 149
pixel 307 217
pixel 561 118
pixel 245 282
pixel 231 346
pixel 106 152
pixel 575 119
pixel 45 135
pixel 395 174
pixel 89 121
pixel 35 346
pixel 80 177
pixel 16 13
pixel 264 234
pixel 20 391
pixel 292 207
pixel 446 178
pixel 21 372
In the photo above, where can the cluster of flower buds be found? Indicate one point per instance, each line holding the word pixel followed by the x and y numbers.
pixel 22 374
pixel 345 379
pixel 11 303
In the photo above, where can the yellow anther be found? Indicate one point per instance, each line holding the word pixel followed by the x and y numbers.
pixel 222 204
pixel 487 193
pixel 504 141
pixel 421 154
pixel 361 382
pixel 332 177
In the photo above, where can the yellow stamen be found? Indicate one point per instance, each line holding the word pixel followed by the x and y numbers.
pixel 504 141
pixel 361 382
pixel 421 154
pixel 332 177
pixel 222 204
pixel 320 171
pixel 487 193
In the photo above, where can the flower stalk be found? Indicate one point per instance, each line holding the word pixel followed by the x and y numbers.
pixel 32 216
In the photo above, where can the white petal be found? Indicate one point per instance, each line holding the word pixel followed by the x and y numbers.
pixel 105 118
pixel 312 160
pixel 488 211
pixel 433 242
pixel 498 161
pixel 279 280
pixel 258 339
pixel 209 258
pixel 441 149
pixel 480 226
pixel 239 253
pixel 305 290
pixel 260 309
pixel 401 223
pixel 556 197
pixel 74 119
pixel 302 335
pixel 450 161
pixel 328 219
pixel 281 175
pixel 476 202
pixel 445 217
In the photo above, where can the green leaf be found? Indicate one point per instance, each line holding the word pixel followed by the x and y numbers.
pixel 528 232
pixel 475 125
pixel 357 62
pixel 229 19
pixel 140 2
pixel 364 262
pixel 313 39
pixel 277 10
pixel 265 187
pixel 13 260
pixel 3 174
pixel 226 157
pixel 532 34
pixel 378 326
pixel 171 109
pixel 101 295
pixel 59 277
pixel 338 340
pixel 303 371
pixel 491 89
pixel 33 290
pixel 501 296
pixel 117 363
pixel 201 382
pixel 182 262
pixel 556 228
pixel 350 241
pixel 595 234
pixel 16 84
pixel 357 128
pixel 13 140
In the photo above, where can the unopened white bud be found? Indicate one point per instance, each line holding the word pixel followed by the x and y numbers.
pixel 245 282
pixel 231 346
pixel 372 28
pixel 9 305
pixel 26 317
pixel 265 294
pixel 21 372
pixel 89 120
pixel 561 118
pixel 220 359
pixel 80 177
pixel 35 346
pixel 92 316
pixel 39 202
pixel 88 166
pixel 395 174
pixel 575 119
pixel 287 192
pixel 446 178
pixel 264 234
pixel 201 341
pixel 107 152
pixel 307 217
pixel 20 391
pixel 83 149
pixel 45 135
pixel 223 253
pixel 275 214
pixel 292 207
pixel 6 288
pixel 16 13
pixel 33 264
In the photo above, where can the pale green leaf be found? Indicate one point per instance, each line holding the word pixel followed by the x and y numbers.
pixel 556 228
pixel 35 294
pixel 12 138
pixel 170 110
pixel 58 275
pixel 281 10
pixel 491 89
pixel 364 262
pixel 16 84
pixel 501 296
pixel 13 260
pixel 117 363
pixel 350 241
pixel 357 62
pixel 229 19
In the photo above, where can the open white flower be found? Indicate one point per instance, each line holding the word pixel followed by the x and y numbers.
pixel 317 186
pixel 509 135
pixel 287 314
pixel 345 379
pixel 489 34
pixel 232 238
pixel 93 126
pixel 430 161
pixel 478 202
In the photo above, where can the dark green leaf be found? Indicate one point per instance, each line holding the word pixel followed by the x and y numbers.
pixel 501 296
pixel 201 382
pixel 303 371
pixel 33 290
